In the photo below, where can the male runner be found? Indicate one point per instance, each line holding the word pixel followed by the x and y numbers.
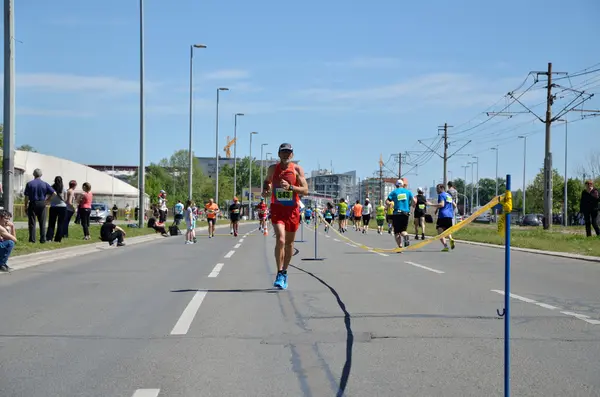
pixel 234 215
pixel 285 181
pixel 262 216
pixel 212 209
pixel 366 215
pixel 401 199
pixel 380 216
pixel 419 214
pixel 357 212
pixel 308 215
pixel 342 208
pixel 446 206
pixel 454 194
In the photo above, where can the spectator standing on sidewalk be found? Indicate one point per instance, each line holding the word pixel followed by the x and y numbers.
pixel 58 211
pixel 8 238
pixel 85 209
pixel 37 193
pixel 588 206
pixel 70 199
pixel 115 211
pixel 162 206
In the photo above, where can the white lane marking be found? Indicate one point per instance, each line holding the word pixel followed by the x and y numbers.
pixel 237 246
pixel 241 240
pixel 583 317
pixel 382 254
pixel 146 393
pixel 229 254
pixel 425 267
pixel 216 270
pixel 327 236
pixel 335 239
pixel 183 324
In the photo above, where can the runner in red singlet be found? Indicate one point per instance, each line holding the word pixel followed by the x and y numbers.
pixel 262 215
pixel 285 181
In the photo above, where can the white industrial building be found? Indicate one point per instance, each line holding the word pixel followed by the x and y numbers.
pixel 105 188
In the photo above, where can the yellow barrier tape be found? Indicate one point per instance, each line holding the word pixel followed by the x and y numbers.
pixel 495 201
pixel 506 209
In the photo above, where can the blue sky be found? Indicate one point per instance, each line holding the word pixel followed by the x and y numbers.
pixel 342 81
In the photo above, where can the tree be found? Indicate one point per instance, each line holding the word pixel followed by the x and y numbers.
pixel 574 189
pixel 535 193
pixel 243 173
pixel 27 148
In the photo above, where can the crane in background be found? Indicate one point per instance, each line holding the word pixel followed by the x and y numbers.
pixel 227 147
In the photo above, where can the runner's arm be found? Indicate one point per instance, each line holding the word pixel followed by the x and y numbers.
pixel 267 183
pixel 302 189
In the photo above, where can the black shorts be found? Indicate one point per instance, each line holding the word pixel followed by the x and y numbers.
pixel 400 222
pixel 341 217
pixel 444 223
pixel 418 214
pixel 388 218
pixel 366 219
pixel 329 220
pixel 234 217
pixel 211 220
pixel 357 218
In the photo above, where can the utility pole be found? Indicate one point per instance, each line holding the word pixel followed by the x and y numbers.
pixel 8 162
pixel 548 154
pixel 445 127
pixel 399 165
pixel 380 180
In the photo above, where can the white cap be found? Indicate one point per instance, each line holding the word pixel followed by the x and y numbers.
pixel 420 189
pixel 399 182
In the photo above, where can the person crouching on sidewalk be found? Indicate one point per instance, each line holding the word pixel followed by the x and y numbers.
pixel 111 232
pixel 8 239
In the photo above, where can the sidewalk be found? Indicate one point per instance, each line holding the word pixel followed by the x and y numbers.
pixel 29 260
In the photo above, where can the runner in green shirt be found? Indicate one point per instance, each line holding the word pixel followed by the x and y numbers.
pixel 380 216
pixel 342 208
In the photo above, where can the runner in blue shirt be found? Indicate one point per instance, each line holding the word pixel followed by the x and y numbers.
pixel 401 199
pixel 446 205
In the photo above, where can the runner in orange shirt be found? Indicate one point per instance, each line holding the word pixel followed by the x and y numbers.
pixel 357 212
pixel 212 209
pixel 262 216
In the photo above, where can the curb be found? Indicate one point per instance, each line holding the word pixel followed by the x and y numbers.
pixel 536 251
pixel 39 258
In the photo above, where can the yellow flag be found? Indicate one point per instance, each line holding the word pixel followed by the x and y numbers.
pixel 506 209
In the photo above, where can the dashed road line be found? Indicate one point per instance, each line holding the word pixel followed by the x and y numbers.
pixel 335 239
pixel 425 267
pixel 583 317
pixel 183 324
pixel 146 393
pixel 216 270
pixel 229 254
pixel 237 246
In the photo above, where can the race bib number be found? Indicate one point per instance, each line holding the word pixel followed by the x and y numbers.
pixel 402 197
pixel 284 195
pixel 235 211
pixel 449 199
pixel 421 206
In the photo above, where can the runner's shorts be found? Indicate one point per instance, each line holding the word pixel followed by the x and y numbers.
pixel 287 216
pixel 211 220
pixel 366 219
pixel 388 218
pixel 380 221
pixel 329 220
pixel 444 223
pixel 357 218
pixel 234 218
pixel 342 217
pixel 400 222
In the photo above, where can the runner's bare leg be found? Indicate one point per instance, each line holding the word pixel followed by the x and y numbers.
pixel 280 239
pixel 289 248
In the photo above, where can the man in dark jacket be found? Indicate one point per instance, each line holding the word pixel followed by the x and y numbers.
pixel 588 206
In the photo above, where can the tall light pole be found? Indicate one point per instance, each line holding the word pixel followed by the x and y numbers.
pixel 565 212
pixel 235 153
pixel 250 179
pixel 465 189
pixel 190 156
pixel 141 169
pixel 268 156
pixel 217 147
pixel 262 164
pixel 477 177
pixel 524 164
pixel 8 162
pixel 495 210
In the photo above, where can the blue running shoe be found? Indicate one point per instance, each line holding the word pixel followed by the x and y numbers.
pixel 278 281
pixel 284 283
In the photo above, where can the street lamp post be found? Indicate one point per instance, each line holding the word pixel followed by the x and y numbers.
pixel 235 153
pixel 524 164
pixel 141 169
pixel 465 189
pixel 250 179
pixel 495 210
pixel 262 164
pixel 477 177
pixel 217 147
pixel 190 156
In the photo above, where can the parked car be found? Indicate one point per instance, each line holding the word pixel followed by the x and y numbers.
pixel 531 220
pixel 486 217
pixel 99 212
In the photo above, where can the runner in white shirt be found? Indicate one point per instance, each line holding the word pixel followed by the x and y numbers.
pixel 367 209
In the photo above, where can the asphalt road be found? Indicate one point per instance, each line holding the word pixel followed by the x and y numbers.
pixel 165 319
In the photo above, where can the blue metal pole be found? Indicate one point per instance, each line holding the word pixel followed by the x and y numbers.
pixel 507 298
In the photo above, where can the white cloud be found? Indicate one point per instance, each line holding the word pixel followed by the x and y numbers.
pixel 23 111
pixel 227 74
pixel 58 82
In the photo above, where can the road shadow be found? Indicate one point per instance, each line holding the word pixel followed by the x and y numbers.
pixel 249 290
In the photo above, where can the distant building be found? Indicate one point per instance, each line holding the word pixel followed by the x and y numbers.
pixel 371 188
pixel 323 183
